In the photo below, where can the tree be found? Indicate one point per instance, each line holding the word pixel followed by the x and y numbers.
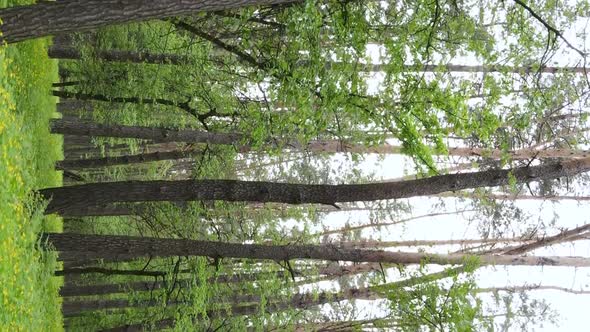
pixel 159 135
pixel 120 55
pixel 88 195
pixel 81 246
pixel 330 270
pixel 73 164
pixel 68 127
pixel 49 18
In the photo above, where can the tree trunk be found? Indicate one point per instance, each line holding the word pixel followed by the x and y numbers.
pixel 331 270
pixel 106 271
pixel 104 211
pixel 77 308
pixel 526 288
pixel 320 146
pixel 430 243
pixel 137 286
pixel 516 197
pixel 80 196
pixel 71 53
pixel 566 235
pixel 67 16
pixel 349 229
pixel 76 164
pixel 158 135
pixel 134 100
pixel 333 146
pixel 467 69
pixel 84 246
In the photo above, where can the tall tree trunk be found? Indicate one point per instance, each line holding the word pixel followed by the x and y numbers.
pixel 431 243
pixel 468 69
pixel 331 270
pixel 349 229
pixel 71 53
pixel 137 286
pixel 84 246
pixel 60 52
pixel 76 308
pixel 135 100
pixel 563 236
pixel 526 288
pixel 66 16
pixel 158 135
pixel 75 164
pixel 105 211
pixel 320 146
pixel 555 198
pixel 106 271
pixel 332 146
pixel 81 196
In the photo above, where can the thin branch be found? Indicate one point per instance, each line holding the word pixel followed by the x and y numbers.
pixel 549 26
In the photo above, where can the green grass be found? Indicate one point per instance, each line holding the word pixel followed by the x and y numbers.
pixel 29 293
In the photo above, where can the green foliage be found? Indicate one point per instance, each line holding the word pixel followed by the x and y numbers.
pixel 430 306
pixel 284 76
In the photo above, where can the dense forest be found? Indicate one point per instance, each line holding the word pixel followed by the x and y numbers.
pixel 281 165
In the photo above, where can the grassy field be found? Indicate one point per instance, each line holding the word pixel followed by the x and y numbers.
pixel 29 294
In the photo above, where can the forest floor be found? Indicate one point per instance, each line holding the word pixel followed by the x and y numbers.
pixel 29 298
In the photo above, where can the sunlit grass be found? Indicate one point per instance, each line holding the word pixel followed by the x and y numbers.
pixel 29 293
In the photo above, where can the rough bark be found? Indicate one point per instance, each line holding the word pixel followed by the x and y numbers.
pixel 108 246
pixel 105 271
pixel 318 146
pixel 76 308
pixel 414 243
pixel 563 236
pixel 86 290
pixel 104 211
pixel 71 53
pixel 331 270
pixel 59 52
pixel 74 164
pixel 158 135
pixel 135 100
pixel 64 198
pixel 66 16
